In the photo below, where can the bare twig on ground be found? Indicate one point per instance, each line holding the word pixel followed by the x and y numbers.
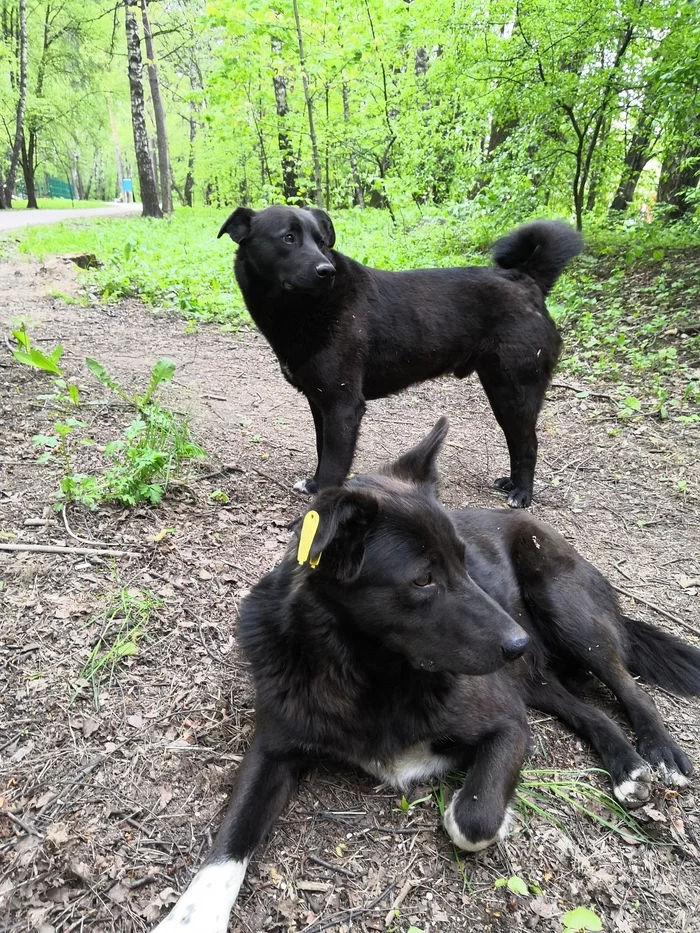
pixel 103 544
pixel 62 549
pixel 589 394
pixel 662 612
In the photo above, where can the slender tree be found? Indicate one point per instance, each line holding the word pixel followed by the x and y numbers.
pixel 21 106
pixel 147 182
pixel 159 112
pixel 318 190
pixel 289 169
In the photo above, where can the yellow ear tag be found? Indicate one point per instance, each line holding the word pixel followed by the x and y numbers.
pixel 306 539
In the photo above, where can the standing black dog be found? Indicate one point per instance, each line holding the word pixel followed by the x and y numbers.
pixel 409 640
pixel 344 332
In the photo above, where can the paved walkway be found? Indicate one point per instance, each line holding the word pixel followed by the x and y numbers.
pixel 12 220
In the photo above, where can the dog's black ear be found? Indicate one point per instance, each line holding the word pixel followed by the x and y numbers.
pixel 338 547
pixel 237 225
pixel 326 225
pixel 417 465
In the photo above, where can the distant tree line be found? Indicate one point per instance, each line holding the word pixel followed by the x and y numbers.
pixel 562 106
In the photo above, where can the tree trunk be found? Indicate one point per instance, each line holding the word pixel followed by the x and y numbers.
pixel 29 169
pixel 359 192
pixel 159 112
pixel 636 157
pixel 189 178
pixel 679 173
pixel 318 192
pixel 21 105
pixel 147 183
pixel 289 170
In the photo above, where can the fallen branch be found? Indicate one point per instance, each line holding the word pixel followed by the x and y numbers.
pixel 662 612
pixel 62 549
pixel 589 394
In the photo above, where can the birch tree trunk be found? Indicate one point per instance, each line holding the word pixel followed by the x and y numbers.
pixel 159 111
pixel 289 173
pixel 147 182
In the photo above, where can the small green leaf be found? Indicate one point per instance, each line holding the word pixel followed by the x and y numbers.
pixel 129 648
pixel 633 402
pixel 518 886
pixel 74 394
pixel 582 920
pixel 500 883
pixel 414 930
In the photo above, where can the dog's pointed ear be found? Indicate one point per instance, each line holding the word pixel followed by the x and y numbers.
pixel 237 225
pixel 338 547
pixel 326 225
pixel 417 465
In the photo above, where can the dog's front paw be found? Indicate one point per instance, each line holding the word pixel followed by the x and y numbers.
pixel 633 789
pixel 517 498
pixel 306 487
pixel 668 761
pixel 472 830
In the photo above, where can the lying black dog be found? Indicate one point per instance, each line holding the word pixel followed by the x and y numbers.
pixel 410 640
pixel 344 332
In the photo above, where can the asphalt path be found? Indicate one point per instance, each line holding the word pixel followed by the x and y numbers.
pixel 13 220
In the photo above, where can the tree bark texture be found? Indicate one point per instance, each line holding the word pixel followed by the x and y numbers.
pixel 680 172
pixel 289 169
pixel 159 112
pixel 636 157
pixel 147 182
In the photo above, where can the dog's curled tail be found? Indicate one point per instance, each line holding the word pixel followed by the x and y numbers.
pixel 662 659
pixel 540 248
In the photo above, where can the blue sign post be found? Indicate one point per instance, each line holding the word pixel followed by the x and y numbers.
pixel 127 189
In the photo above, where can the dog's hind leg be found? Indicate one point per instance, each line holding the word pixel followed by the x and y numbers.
pixel 516 404
pixel 264 784
pixel 479 813
pixel 576 612
pixel 654 742
pixel 630 774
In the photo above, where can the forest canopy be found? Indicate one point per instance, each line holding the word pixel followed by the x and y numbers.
pixel 568 107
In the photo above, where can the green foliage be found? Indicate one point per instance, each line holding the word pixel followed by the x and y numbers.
pixel 154 447
pixel 32 356
pixel 581 920
pixel 515 884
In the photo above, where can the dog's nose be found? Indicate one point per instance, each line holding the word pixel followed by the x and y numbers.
pixel 515 647
pixel 325 270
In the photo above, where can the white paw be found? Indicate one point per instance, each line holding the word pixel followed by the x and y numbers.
pixel 471 845
pixel 670 777
pixel 206 904
pixel 302 486
pixel 636 790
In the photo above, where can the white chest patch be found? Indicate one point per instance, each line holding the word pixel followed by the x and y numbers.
pixel 206 904
pixel 418 763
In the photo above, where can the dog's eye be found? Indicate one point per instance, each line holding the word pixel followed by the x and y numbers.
pixel 288 238
pixel 425 580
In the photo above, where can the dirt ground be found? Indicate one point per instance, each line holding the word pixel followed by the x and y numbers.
pixel 106 813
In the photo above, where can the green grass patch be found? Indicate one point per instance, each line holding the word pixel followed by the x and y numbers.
pixel 59 204
pixel 622 306
pixel 122 624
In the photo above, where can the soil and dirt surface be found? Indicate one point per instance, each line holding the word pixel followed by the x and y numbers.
pixel 106 813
